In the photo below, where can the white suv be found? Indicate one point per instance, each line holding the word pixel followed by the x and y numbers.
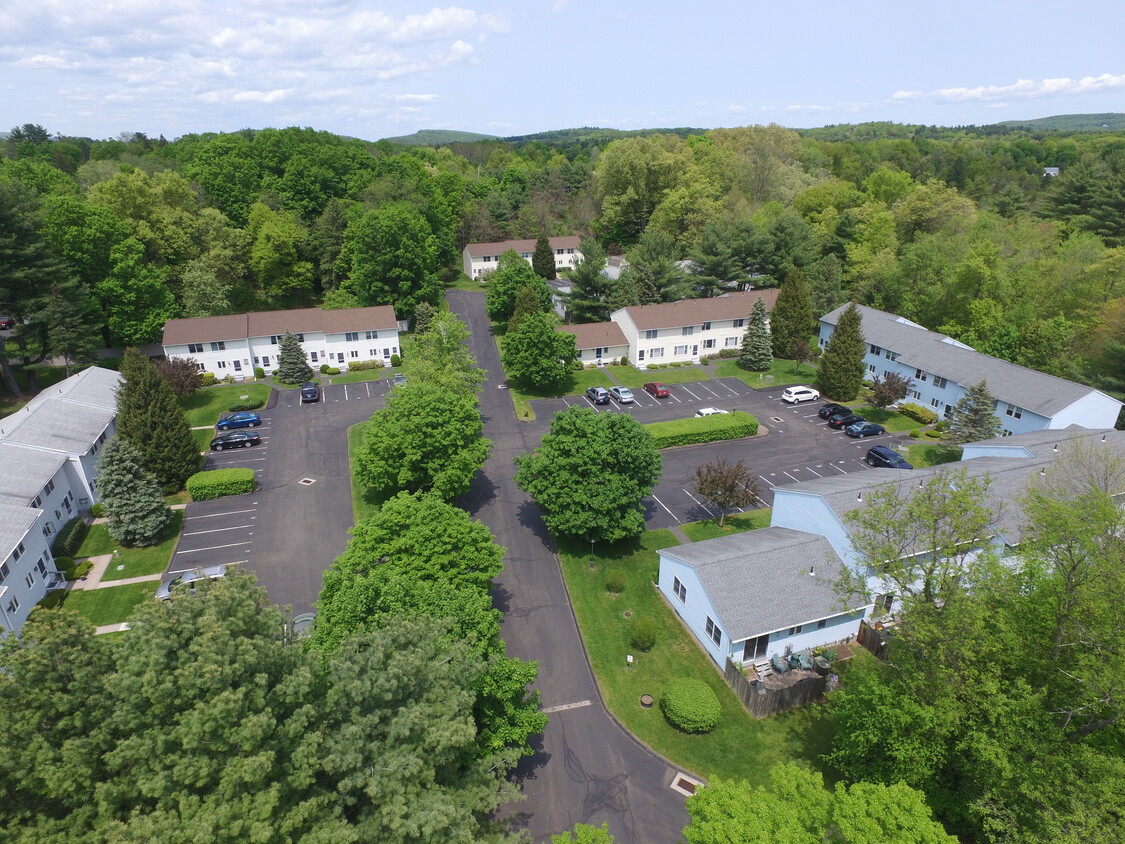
pixel 796 395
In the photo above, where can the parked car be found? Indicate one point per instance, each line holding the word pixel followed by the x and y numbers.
pixel 657 389
pixel 7 322
pixel 164 591
pixel 864 429
pixel 623 394
pixel 843 420
pixel 796 395
pixel 310 391
pixel 882 457
pixel 598 395
pixel 709 411
pixel 831 409
pixel 235 439
pixel 242 419
pixel 398 380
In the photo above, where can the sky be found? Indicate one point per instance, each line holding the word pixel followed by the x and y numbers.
pixel 98 68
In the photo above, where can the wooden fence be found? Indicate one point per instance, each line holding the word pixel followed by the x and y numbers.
pixel 763 701
pixel 874 639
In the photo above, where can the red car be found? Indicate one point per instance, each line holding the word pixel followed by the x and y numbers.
pixel 7 322
pixel 657 389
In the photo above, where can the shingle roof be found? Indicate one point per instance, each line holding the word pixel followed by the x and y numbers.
pixel 15 522
pixel 759 581
pixel 697 311
pixel 595 335
pixel 58 425
pixel 266 323
pixel 25 471
pixel 94 386
pixel 478 250
pixel 941 355
pixel 1042 443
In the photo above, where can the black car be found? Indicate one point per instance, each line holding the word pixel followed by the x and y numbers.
pixel 598 395
pixel 310 391
pixel 235 439
pixel 882 457
pixel 831 409
pixel 843 420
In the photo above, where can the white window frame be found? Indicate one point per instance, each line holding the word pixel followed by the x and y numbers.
pixel 679 590
pixel 714 632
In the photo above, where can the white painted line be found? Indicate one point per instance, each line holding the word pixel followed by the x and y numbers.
pixel 214 547
pixel 345 392
pixel 564 706
pixel 216 530
pixel 792 476
pixel 670 513
pixel 693 395
pixel 814 471
pixel 708 389
pixel 837 468
pixel 231 563
pixel 228 513
pixel 368 383
pixel 700 503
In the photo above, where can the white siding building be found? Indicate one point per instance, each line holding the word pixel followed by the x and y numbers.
pixel 477 258
pixel 235 344
pixel 27 569
pixel 598 342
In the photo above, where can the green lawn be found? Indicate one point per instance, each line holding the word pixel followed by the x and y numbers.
pixel 136 561
pixel 633 378
pixel 740 746
pixel 889 419
pixel 575 385
pixel 203 437
pixel 107 606
pixel 204 406
pixel 736 523
pixel 783 372
pixel 360 375
pixel 365 501
pixel 97 542
pixel 932 454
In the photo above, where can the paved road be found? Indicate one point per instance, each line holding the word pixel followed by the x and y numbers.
pixel 587 768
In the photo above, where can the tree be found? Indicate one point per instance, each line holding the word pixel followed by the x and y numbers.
pixel 543 259
pixel 202 293
pixel 528 301
pixel 424 439
pixel 423 316
pixel 801 352
pixel 974 417
pixel 292 367
pixel 655 270
pixel 277 242
pixel 792 316
pixel 73 323
pixel 150 417
pixel 585 834
pixel 726 485
pixel 180 374
pixel 588 299
pixel 537 354
pixel 441 356
pixel 589 474
pixel 840 374
pixel 31 133
pixel 889 388
pixel 133 501
pixel 757 353
pixel 505 282
pixel 134 296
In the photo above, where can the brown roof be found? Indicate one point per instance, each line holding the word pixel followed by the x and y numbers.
pixel 266 323
pixel 477 250
pixel 696 311
pixel 595 335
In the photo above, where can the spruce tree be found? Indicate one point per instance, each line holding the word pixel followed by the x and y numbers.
pixel 757 353
pixel 974 418
pixel 423 317
pixel 589 299
pixel 543 259
pixel 840 374
pixel 134 504
pixel 292 368
pixel 527 302
pixel 792 317
pixel 149 416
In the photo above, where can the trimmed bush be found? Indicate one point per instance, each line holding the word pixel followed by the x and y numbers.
pixel 691 705
pixel 254 405
pixel 216 483
pixel 259 373
pixel 360 365
pixel 70 538
pixel 207 379
pixel 615 581
pixel 729 353
pixel 916 433
pixel 66 566
pixel 705 429
pixel 324 369
pixel 643 634
pixel 332 370
pixel 934 434
pixel 918 413
pixel 98 510
pixel 624 360
pixel 396 360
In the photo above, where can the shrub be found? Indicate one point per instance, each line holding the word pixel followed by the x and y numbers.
pixel 82 569
pixel 624 360
pixel 361 365
pixel 934 434
pixel 644 633
pixel 229 379
pixel 70 538
pixel 690 705
pixel 706 361
pixel 98 510
pixel 332 370
pixel 216 483
pixel 207 379
pixel 259 373
pixel 66 566
pixel 729 353
pixel 396 360
pixel 916 433
pixel 253 405
pixel 706 429
pixel 324 369
pixel 615 581
pixel 918 413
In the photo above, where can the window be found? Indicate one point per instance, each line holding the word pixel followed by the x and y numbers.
pixel 793 631
pixel 652 334
pixel 353 353
pixel 48 529
pixel 41 567
pixel 351 336
pixel 339 357
pixel 1013 411
pixel 876 350
pixel 313 357
pixel 935 403
pixel 889 355
pixel 30 579
pixel 275 339
pixel 58 514
pixel 871 368
pixel 37 502
pixel 49 488
pixel 940 382
pixel 600 351
pixel 709 344
pixel 730 342
pixel 949 410
pixel 640 355
pixel 257 362
pixel 914 394
pixel 820 625
pixel 221 346
pixel 714 632
pixel 386 352
pixel 195 348
pixel 265 360
pixel 486 258
pixel 656 353
pixel 371 335
pixel 921 376
pixel 687 330
pixel 705 327
pixel 200 367
pixel 221 365
pixel 18 552
pixel 679 589
pixel 300 337
pixel 238 366
pixel 883 603
pixel 569 251
pixel 681 350
pixel 740 322
pixel 558 251
pixel 4 571
pixel 13 604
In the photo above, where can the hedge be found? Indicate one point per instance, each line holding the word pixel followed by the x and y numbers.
pixel 216 483
pixel 691 705
pixel 704 429
pixel 207 379
pixel 360 365
pixel 918 413
pixel 70 538
pixel 253 405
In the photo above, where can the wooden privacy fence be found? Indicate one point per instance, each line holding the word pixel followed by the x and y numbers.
pixel 763 701
pixel 873 638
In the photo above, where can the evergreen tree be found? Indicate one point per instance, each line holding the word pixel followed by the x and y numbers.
pixel 292 368
pixel 543 259
pixel 757 353
pixel 841 366
pixel 72 323
pixel 792 317
pixel 149 416
pixel 974 418
pixel 134 504
pixel 423 317
pixel 589 296
pixel 527 302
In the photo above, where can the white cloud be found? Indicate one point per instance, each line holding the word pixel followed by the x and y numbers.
pixel 736 109
pixel 416 98
pixel 1020 89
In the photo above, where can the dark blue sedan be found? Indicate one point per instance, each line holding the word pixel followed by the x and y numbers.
pixel 864 429
pixel 242 419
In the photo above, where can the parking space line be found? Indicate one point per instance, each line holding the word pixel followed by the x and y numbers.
pixel 798 480
pixel 214 547
pixel 834 466
pixel 693 395
pixel 669 512
pixel 229 513
pixel 814 471
pixel 231 563
pixel 248 460
pixel 368 383
pixel 345 392
pixel 216 530
pixel 700 503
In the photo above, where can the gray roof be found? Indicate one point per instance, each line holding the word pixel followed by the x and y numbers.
pixel 759 581
pixel 93 386
pixel 941 355
pixel 478 250
pixel 178 332
pixel 1043 443
pixel 25 471
pixel 15 522
pixel 58 425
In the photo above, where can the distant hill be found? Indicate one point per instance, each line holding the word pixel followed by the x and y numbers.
pixel 593 135
pixel 1112 122
pixel 440 137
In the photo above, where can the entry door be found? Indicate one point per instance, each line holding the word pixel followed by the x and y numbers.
pixel 695 351
pixel 755 648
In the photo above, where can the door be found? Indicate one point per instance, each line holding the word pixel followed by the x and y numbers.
pixel 753 649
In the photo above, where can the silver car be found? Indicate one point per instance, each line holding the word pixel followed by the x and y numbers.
pixel 164 592
pixel 623 394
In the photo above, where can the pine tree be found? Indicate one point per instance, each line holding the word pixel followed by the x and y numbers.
pixel 840 374
pixel 527 302
pixel 757 353
pixel 423 317
pixel 150 418
pixel 974 418
pixel 292 368
pixel 589 299
pixel 543 259
pixel 792 316
pixel 134 504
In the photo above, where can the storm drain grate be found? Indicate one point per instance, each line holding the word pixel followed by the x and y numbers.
pixel 776 419
pixel 686 785
pixel 306 482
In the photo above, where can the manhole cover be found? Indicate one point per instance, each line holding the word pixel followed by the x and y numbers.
pixel 306 482
pixel 689 787
pixel 686 785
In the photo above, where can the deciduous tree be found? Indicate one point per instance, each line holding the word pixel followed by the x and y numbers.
pixel 441 356
pixel 889 388
pixel 726 485
pixel 538 355
pixel 504 283
pixel 134 504
pixel 181 375
pixel 757 352
pixel 840 374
